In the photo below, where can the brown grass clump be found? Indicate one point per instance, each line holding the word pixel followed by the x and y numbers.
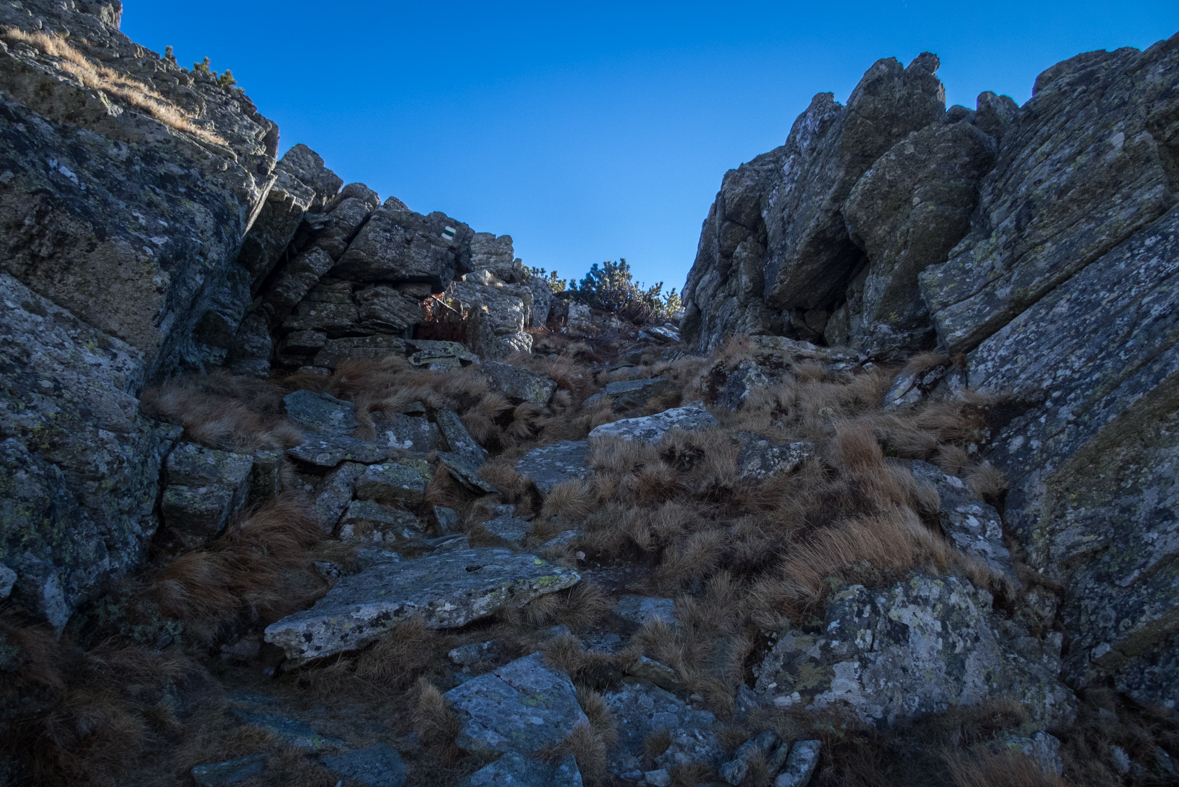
pixel 98 77
pixel 983 768
pixel 572 499
pixel 587 748
pixel 224 411
pixel 434 720
pixel 259 570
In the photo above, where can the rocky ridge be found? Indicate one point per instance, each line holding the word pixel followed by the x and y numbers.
pixel 348 447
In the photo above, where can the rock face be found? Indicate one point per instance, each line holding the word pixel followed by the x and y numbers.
pixel 934 643
pixel 891 226
pixel 521 707
pixel 445 591
pixel 652 428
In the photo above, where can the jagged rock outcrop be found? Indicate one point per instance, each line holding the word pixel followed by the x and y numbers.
pixel 996 234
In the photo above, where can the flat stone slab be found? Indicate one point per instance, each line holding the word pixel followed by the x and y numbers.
pixel 381 522
pixel 458 438
pixel 521 707
pixel 331 450
pixel 445 590
pixel 508 528
pixel 319 412
pixel 408 433
pixel 429 351
pixel 375 766
pixel 519 384
pixel 551 464
pixel 404 482
pixel 629 395
pixel 465 470
pixel 652 428
pixel 516 770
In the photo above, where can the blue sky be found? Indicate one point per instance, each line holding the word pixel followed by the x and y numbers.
pixel 593 132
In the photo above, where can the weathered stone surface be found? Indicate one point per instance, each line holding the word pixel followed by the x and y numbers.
pixel 328 317
pixel 294 281
pixel 542 302
pixel 397 245
pixel 504 311
pixel 382 523
pixel 428 353
pixel 641 609
pixel 386 310
pixel 446 590
pixel 911 387
pixel 219 774
pixel 73 434
pixel 320 413
pixel 1091 463
pixel 521 707
pixel 407 433
pixel 447 518
pixel 204 489
pixel 651 671
pixel 88 224
pixel 307 166
pixel 1042 748
pixel 934 644
pixel 510 529
pixel 1085 164
pixel 517 383
pixel 458 438
pixel 907 212
pixel 331 450
pixel 465 470
pixel 496 256
pixel 627 396
pixel 516 770
pixel 404 482
pixel 652 428
pixel 351 348
pixel 973 526
pixel 334 494
pixel 760 459
pixel 735 770
pixel 775 239
pixel 376 766
pixel 549 465
pixel 738 383
pixel 800 765
pixel 639 710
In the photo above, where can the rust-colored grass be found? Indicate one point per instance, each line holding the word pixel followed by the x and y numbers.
pixel 98 77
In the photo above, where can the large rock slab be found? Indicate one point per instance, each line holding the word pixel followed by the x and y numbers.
pixel 73 433
pixel 549 465
pixel 398 245
pixel 1083 166
pixel 1090 459
pixel 523 707
pixel 916 648
pixel 519 384
pixel 320 412
pixel 626 396
pixel 458 438
pixel 331 450
pixel 445 590
pixel 403 482
pixel 652 428
pixel 375 766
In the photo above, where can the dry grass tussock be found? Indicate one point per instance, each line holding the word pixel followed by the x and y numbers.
pixel 75 717
pixel 224 411
pixel 96 76
pixel 259 570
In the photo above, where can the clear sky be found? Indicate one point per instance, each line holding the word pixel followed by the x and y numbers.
pixel 593 132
